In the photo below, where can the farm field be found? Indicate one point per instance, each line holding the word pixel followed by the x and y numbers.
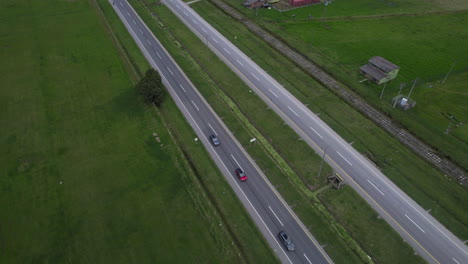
pixel 428 187
pixel 188 50
pixel 425 47
pixel 83 176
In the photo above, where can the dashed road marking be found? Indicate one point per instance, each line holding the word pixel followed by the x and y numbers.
pixel 140 31
pixel 195 21
pixel 238 165
pixel 255 76
pixel 316 132
pixel 158 55
pixel 183 89
pixel 121 4
pixel 240 63
pixel 170 71
pixel 293 111
pixel 276 216
pixel 134 22
pixel 310 262
pixel 195 105
pixel 227 51
pixel 149 42
pixel 273 93
pixel 204 30
pixel 344 158
pixel 455 261
pixel 415 224
pixel 212 129
pixel 376 187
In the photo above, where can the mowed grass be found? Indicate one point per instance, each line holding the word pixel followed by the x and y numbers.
pixel 425 47
pixel 83 179
pixel 223 81
pixel 428 187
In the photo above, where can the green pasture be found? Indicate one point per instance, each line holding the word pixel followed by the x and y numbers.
pixel 424 46
pixel 427 186
pixel 83 176
pixel 255 110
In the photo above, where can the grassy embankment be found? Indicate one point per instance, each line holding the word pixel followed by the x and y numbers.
pixel 83 177
pixel 252 105
pixel 424 46
pixel 431 189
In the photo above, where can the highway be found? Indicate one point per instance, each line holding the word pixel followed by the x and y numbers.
pixel 428 237
pixel 264 204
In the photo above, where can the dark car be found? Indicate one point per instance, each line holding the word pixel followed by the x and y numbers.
pixel 214 139
pixel 286 241
pixel 241 174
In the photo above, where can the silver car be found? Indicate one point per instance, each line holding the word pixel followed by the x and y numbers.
pixel 214 139
pixel 286 241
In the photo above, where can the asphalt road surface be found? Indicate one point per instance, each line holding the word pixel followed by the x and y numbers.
pixel 269 211
pixel 427 236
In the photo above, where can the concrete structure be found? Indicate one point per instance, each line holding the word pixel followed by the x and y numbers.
pixel 253 3
pixel 379 70
pixel 303 2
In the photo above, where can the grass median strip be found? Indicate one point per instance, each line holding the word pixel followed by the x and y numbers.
pixel 221 77
pixel 431 189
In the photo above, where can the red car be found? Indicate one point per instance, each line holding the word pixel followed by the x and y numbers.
pixel 241 174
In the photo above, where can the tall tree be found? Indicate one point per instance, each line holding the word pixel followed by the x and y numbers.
pixel 151 87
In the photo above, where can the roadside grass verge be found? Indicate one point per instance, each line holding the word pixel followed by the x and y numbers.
pixel 428 187
pixel 83 177
pixel 212 185
pixel 229 84
pixel 342 46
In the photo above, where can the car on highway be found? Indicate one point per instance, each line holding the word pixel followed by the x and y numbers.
pixel 241 174
pixel 214 140
pixel 288 244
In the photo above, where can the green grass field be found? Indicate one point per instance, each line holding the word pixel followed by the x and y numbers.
pixel 430 188
pixel 423 46
pixel 304 163
pixel 83 178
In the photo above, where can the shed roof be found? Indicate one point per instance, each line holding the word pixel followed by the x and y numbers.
pixel 383 64
pixel 249 2
pixel 372 71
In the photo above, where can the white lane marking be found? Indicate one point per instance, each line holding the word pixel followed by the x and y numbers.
pixel 232 177
pixel 158 55
pixel 170 71
pixel 178 6
pixel 240 63
pixel 376 187
pixel 215 40
pixel 273 93
pixel 316 132
pixel 121 4
pixel 455 261
pixel 310 262
pixel 212 129
pixel 195 21
pixel 224 165
pixel 128 13
pixel 185 13
pixel 238 165
pixel 276 216
pixel 204 30
pixel 255 76
pixel 182 88
pixel 415 224
pixel 149 42
pixel 293 111
pixel 140 31
pixel 134 22
pixel 344 158
pixel 195 105
pixel 227 51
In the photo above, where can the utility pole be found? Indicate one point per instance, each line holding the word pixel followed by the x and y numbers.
pixel 326 3
pixel 451 68
pixel 414 84
pixel 383 89
pixel 321 163
pixel 399 92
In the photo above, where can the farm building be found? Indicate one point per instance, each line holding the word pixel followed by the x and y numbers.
pixel 254 3
pixel 379 70
pixel 302 2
